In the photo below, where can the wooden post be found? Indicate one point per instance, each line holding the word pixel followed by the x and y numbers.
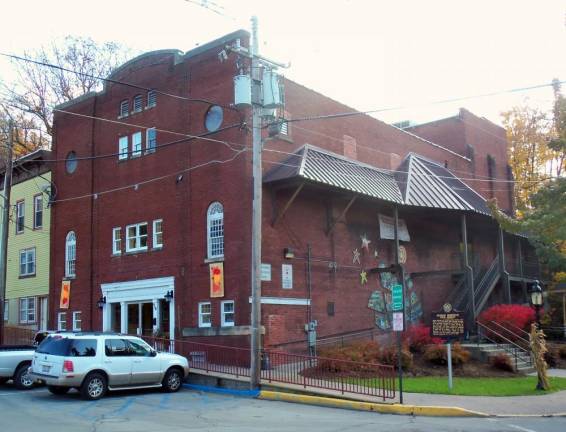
pixel 502 271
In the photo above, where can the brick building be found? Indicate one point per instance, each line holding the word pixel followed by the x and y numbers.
pixel 152 219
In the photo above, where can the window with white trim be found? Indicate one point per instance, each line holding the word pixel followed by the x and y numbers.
pixel 116 241
pixel 215 230
pixel 20 216
pixel 27 310
pixel 136 237
pixel 124 108
pixel 136 144
pixel 27 262
pixel 6 310
pixel 62 321
pixel 70 254
pixel 158 233
pixel 123 148
pixel 138 103
pixel 227 313
pixel 151 98
pixel 150 140
pixel 37 211
pixel 204 314
pixel 77 321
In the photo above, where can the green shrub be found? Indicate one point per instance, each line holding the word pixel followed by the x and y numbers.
pixel 436 354
pixel 502 361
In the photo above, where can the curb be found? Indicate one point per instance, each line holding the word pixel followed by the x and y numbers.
pixel 241 393
pixel 430 411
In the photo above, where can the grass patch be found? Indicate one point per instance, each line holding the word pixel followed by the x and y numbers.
pixel 519 386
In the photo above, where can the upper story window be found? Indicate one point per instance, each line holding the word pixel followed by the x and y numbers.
pixel 151 98
pixel 150 140
pixel 123 148
pixel 227 313
pixel 27 262
pixel 138 103
pixel 38 211
pixel 77 321
pixel 158 233
pixel 124 108
pixel 215 230
pixel 204 314
pixel 136 144
pixel 62 321
pixel 136 237
pixel 20 216
pixel 70 254
pixel 116 241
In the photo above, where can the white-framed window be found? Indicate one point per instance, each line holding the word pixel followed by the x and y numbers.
pixel 124 108
pixel 136 144
pixel 27 262
pixel 227 313
pixel 20 216
pixel 136 237
pixel 62 321
pixel 123 148
pixel 150 140
pixel 77 321
pixel 215 230
pixel 70 254
pixel 284 128
pixel 6 310
pixel 157 234
pixel 38 211
pixel 204 314
pixel 116 241
pixel 151 98
pixel 28 310
pixel 138 103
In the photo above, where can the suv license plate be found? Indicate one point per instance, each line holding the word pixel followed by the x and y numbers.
pixel 45 368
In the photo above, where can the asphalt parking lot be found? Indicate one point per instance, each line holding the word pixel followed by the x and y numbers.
pixel 151 410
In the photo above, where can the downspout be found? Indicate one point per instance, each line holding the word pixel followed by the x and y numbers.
pixel 92 200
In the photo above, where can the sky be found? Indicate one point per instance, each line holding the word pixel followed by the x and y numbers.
pixel 367 54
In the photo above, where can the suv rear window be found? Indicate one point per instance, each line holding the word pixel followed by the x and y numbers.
pixel 68 347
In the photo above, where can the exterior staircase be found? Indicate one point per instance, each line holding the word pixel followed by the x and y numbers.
pixel 520 359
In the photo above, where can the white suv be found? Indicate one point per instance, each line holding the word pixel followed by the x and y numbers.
pixel 94 363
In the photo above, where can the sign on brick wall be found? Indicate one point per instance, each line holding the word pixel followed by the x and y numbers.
pixel 287 276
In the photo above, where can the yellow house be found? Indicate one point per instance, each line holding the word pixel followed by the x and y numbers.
pixel 27 280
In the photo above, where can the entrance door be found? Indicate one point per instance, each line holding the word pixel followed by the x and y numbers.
pixel 140 318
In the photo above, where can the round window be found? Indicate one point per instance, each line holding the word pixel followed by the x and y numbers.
pixel 213 118
pixel 71 162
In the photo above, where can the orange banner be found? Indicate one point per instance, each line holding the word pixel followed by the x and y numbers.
pixel 65 295
pixel 216 279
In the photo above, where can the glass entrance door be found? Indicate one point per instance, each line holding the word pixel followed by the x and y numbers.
pixel 140 318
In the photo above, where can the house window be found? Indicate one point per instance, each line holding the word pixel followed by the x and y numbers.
pixel 150 140
pixel 38 211
pixel 204 314
pixel 227 317
pixel 151 98
pixel 27 262
pixel 136 237
pixel 284 127
pixel 138 103
pixel 70 254
pixel 20 216
pixel 124 108
pixel 136 144
pixel 158 233
pixel 215 230
pixel 6 310
pixel 77 321
pixel 123 148
pixel 27 310
pixel 116 241
pixel 62 321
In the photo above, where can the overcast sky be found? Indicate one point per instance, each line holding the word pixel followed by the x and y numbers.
pixel 368 54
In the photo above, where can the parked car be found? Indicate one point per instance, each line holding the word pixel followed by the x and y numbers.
pixel 14 363
pixel 94 363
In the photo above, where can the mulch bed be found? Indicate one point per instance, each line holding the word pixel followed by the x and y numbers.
pixel 472 369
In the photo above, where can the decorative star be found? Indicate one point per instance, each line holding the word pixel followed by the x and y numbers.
pixel 363 277
pixel 356 253
pixel 365 242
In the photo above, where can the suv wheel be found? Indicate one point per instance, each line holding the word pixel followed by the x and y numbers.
pixel 172 380
pixel 22 380
pixel 94 386
pixel 58 390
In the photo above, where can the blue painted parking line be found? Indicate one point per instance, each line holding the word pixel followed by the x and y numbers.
pixel 241 393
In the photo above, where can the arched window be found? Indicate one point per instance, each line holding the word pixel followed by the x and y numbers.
pixel 70 254
pixel 215 230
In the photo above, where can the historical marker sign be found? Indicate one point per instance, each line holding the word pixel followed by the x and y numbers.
pixel 397 297
pixel 447 323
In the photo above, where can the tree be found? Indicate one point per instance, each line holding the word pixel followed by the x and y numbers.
pixel 38 88
pixel 558 141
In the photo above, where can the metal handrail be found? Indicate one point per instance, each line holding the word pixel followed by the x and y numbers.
pixel 509 350
pixel 510 324
pixel 512 334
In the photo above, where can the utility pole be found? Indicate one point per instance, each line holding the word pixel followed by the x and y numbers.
pixel 255 363
pixel 4 229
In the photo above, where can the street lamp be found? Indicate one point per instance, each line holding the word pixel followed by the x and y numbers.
pixel 536 300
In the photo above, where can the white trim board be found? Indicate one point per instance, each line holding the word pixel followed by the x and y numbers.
pixel 284 301
pixel 137 290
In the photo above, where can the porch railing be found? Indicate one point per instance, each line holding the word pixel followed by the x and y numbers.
pixel 18 336
pixel 368 379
